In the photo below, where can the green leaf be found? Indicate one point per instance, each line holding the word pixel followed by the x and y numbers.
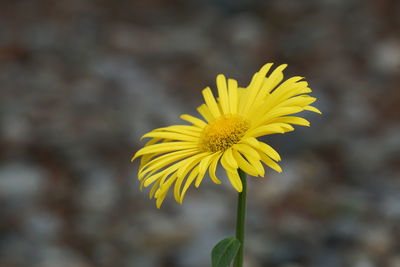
pixel 224 252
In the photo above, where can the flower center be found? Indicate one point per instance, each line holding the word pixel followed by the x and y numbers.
pixel 223 133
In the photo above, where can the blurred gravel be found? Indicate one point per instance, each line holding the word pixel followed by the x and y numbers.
pixel 82 80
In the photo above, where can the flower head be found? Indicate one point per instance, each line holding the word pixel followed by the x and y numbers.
pixel 180 155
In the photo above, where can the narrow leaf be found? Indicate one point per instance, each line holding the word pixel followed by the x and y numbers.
pixel 224 252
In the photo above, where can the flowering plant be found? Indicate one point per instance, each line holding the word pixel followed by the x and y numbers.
pixel 227 135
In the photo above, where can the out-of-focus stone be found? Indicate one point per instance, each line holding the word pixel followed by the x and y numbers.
pixel 362 260
pixel 21 182
pixel 42 226
pixel 99 192
pixel 395 261
pixel 377 240
pixel 50 256
pixel 386 56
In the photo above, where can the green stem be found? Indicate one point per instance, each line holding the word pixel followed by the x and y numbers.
pixel 240 219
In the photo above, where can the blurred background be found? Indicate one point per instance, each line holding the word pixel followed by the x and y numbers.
pixel 82 80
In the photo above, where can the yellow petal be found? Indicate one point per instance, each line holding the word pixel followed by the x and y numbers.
pixel 270 163
pixel 313 109
pixel 234 178
pixel 159 157
pixel 164 190
pixel 267 149
pixel 186 167
pixel 245 149
pixel 244 165
pixel 223 93
pixel 149 180
pixel 203 165
pixel 213 168
pixel 256 165
pixel 254 88
pixel 195 121
pixel 287 86
pixel 282 111
pixel 265 130
pixel 189 181
pixel 182 129
pixel 251 141
pixel 301 101
pixel 230 159
pixel 211 103
pixel 190 162
pixel 263 147
pixel 272 81
pixel 293 120
pixel 227 160
pixel 206 113
pixel 233 95
pixel 276 98
pixel 291 90
pixel 150 142
pixel 164 147
pixel 153 189
pixel 164 160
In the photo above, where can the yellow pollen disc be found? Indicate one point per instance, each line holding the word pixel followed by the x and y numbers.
pixel 223 133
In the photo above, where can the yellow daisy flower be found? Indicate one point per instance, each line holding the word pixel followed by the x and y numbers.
pixel 180 155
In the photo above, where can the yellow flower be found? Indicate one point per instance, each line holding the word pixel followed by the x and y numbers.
pixel 180 155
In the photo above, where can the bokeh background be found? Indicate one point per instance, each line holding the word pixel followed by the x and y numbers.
pixel 82 80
